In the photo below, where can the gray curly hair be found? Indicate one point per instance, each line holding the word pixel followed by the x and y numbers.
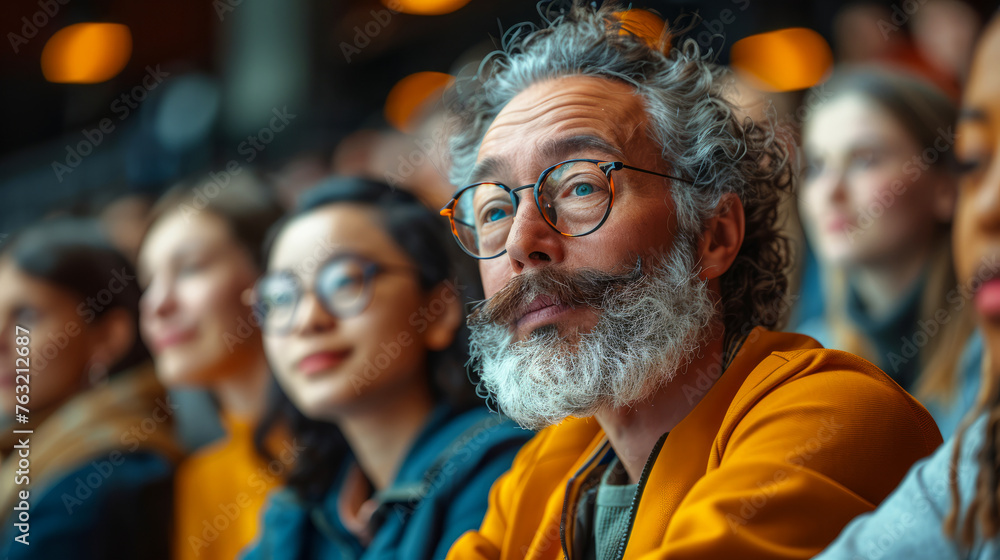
pixel 698 128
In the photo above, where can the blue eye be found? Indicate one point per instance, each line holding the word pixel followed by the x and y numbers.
pixel 583 190
pixel 496 214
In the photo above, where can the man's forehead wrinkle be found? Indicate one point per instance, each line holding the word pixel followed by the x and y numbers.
pixel 490 168
pixel 564 93
pixel 521 135
pixel 511 142
pixel 558 108
pixel 615 125
pixel 506 160
pixel 575 145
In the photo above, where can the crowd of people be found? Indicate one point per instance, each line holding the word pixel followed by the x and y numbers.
pixel 593 363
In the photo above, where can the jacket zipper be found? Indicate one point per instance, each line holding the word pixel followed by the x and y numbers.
pixel 638 495
pixel 599 452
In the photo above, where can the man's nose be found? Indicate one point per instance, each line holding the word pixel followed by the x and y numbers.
pixel 532 242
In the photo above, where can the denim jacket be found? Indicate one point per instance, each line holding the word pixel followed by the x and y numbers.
pixel 441 491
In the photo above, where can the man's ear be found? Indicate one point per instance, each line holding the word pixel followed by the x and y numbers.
pixel 114 336
pixel 443 306
pixel 722 238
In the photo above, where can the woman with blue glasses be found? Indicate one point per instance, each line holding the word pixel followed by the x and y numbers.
pixel 363 326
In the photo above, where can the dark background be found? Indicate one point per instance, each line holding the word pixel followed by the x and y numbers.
pixel 242 58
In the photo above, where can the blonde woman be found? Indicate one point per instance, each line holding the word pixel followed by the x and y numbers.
pixel 877 201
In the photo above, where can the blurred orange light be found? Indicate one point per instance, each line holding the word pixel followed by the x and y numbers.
pixel 643 24
pixel 783 60
pixel 86 53
pixel 411 95
pixel 425 7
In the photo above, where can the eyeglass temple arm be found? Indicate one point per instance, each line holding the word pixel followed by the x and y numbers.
pixel 657 174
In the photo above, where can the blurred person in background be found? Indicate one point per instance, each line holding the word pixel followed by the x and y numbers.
pixel 877 201
pixel 201 252
pixel 859 38
pixel 945 32
pixel 124 221
pixel 868 32
pixel 948 506
pixel 102 452
pixel 363 327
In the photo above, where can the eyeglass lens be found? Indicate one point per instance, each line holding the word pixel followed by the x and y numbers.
pixel 342 286
pixel 574 198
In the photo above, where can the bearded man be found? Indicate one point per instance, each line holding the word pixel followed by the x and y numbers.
pixel 624 217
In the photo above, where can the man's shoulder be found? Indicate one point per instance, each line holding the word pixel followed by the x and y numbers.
pixel 794 358
pixel 797 379
pixel 793 373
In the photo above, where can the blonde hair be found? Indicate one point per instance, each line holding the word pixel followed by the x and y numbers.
pixel 924 112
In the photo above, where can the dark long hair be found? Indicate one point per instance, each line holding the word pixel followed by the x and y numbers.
pixel 982 516
pixel 74 254
pixel 425 239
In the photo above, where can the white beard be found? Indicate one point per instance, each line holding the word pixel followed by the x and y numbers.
pixel 645 334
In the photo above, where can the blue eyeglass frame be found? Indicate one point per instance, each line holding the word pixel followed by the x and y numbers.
pixel 606 166
pixel 370 268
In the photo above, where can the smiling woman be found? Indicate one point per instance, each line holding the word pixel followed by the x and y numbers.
pixel 368 346
pixel 877 201
pixel 199 255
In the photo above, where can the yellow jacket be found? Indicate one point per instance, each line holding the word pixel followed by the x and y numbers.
pixel 220 491
pixel 789 444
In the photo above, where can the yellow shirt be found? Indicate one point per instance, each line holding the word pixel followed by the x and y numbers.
pixel 219 494
pixel 789 444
